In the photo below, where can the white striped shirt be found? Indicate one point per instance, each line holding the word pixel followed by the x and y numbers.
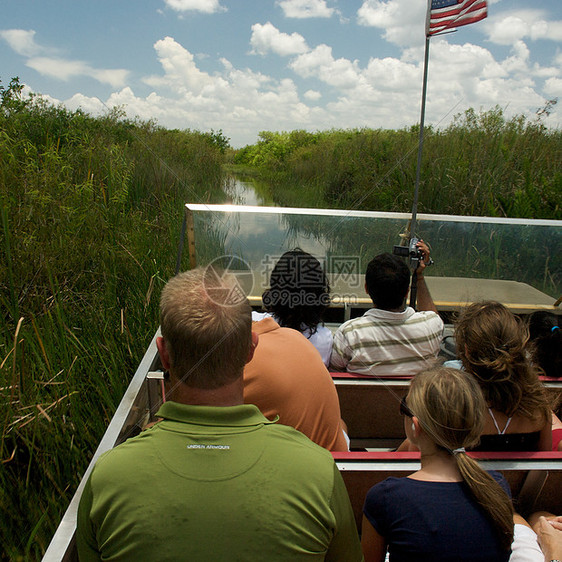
pixel 384 343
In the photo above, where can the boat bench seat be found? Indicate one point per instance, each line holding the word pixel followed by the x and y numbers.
pixel 535 478
pixel 370 407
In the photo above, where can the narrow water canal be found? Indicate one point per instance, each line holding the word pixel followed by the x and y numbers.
pixel 247 192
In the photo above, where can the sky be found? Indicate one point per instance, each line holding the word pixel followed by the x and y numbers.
pixel 245 66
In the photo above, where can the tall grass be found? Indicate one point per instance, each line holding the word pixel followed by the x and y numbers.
pixel 482 164
pixel 90 214
pixel 90 211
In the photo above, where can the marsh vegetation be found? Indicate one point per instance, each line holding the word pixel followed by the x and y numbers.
pixel 90 218
pixel 483 164
pixel 90 213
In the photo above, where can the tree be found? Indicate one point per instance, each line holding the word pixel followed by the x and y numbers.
pixel 11 97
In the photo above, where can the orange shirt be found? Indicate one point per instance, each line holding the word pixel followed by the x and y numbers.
pixel 287 378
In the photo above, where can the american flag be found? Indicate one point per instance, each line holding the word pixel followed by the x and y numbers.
pixel 445 15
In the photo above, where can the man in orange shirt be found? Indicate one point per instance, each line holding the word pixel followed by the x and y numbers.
pixel 287 378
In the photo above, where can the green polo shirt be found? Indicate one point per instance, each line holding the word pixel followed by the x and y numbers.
pixel 214 484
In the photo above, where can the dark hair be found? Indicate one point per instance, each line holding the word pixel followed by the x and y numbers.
pixel 387 279
pixel 546 342
pixel 491 342
pixel 299 291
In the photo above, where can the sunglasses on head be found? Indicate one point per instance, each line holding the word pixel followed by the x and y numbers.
pixel 404 410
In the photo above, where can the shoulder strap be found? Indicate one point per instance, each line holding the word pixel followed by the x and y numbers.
pixel 502 431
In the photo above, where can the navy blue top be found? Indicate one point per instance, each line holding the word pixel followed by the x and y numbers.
pixel 432 521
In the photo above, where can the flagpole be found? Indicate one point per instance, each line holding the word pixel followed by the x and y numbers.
pixel 412 229
pixel 420 142
pixel 442 17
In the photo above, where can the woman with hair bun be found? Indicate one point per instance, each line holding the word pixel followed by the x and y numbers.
pixel 450 509
pixel 298 296
pixel 492 345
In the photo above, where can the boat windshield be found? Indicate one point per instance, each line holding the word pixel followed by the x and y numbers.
pixel 514 261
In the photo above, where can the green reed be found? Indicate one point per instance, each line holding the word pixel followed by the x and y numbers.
pixel 482 164
pixel 90 214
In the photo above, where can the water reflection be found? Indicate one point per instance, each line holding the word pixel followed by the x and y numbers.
pixel 253 235
pixel 486 249
pixel 467 248
pixel 246 191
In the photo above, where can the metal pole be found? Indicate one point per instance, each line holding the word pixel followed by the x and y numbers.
pixel 420 143
pixel 412 230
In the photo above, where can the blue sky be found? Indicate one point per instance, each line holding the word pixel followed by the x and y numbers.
pixel 245 66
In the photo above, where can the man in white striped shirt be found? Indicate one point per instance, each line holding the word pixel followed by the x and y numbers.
pixel 391 339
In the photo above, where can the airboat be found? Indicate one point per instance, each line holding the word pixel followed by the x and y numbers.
pixel 514 261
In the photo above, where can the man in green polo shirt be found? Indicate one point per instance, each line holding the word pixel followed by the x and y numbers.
pixel 214 479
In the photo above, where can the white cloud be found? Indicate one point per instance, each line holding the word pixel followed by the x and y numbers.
pixel 312 95
pixel 63 69
pixel 181 72
pixel 403 21
pixel 384 93
pixel 22 41
pixel 115 77
pixel 205 6
pixel 518 62
pixel 508 28
pixel 57 68
pixel 90 105
pixel 546 71
pixel 306 9
pixel 553 88
pixel 267 38
pixel 457 71
pixel 320 63
pixel 234 99
pixel 390 74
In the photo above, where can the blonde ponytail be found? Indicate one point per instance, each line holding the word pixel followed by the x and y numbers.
pixel 491 497
pixel 450 407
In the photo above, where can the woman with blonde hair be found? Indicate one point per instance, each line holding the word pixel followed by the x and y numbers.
pixel 491 343
pixel 450 509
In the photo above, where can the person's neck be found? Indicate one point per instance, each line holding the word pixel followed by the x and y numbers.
pixel 231 394
pixel 401 308
pixel 437 465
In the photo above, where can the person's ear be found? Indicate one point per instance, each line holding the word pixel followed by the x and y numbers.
pixel 416 427
pixel 163 352
pixel 255 340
